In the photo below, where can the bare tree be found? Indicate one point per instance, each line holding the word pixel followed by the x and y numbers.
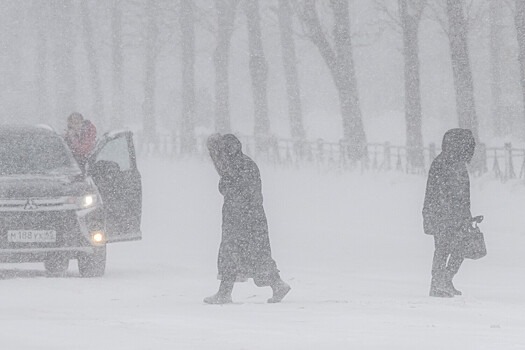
pixel 150 74
pixel 520 29
pixel 258 72
pixel 410 13
pixel 226 18
pixel 457 32
pixel 339 59
pixel 187 23
pixel 117 45
pixel 285 15
pixel 42 21
pixel 96 84
pixel 64 38
pixel 495 64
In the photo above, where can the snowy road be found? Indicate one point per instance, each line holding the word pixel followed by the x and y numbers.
pixel 350 246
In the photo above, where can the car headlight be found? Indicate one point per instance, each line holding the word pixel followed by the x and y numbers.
pixel 98 237
pixel 88 200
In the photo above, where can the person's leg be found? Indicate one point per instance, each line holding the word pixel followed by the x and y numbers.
pixel 453 265
pixel 224 295
pixel 438 286
pixel 279 287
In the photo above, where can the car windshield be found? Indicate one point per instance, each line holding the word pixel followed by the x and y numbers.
pixel 29 153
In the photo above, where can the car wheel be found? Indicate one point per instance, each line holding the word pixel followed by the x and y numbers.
pixel 93 265
pixel 56 265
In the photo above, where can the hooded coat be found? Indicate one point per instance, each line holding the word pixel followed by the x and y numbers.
pixel 245 246
pixel 446 208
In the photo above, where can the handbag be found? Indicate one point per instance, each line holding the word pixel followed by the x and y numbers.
pixel 472 243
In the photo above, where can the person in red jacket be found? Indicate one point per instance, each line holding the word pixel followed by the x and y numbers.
pixel 81 135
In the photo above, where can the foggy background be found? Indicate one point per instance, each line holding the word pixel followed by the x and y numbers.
pixel 120 64
pixel 356 73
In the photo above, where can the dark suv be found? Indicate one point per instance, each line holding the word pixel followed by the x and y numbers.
pixel 51 211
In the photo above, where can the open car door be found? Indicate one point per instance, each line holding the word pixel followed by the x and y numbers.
pixel 113 167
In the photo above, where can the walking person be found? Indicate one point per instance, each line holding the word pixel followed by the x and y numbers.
pixel 245 250
pixel 446 211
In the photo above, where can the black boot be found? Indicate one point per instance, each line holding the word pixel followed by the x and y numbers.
pixel 224 295
pixel 449 285
pixel 438 286
pixel 280 289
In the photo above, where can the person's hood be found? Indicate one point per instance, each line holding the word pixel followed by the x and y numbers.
pixel 231 146
pixel 458 145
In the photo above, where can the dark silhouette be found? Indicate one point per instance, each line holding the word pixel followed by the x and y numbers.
pixel 446 212
pixel 245 246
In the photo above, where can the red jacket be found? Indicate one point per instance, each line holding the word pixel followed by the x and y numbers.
pixel 82 144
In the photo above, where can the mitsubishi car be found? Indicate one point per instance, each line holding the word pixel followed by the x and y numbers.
pixel 52 211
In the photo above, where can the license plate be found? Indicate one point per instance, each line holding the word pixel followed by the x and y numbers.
pixel 31 236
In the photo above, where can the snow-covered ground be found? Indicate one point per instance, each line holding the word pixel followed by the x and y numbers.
pixel 350 245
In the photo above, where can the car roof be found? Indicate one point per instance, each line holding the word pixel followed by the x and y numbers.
pixel 27 129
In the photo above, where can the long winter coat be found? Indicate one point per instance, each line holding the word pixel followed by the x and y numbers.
pixel 245 246
pixel 447 199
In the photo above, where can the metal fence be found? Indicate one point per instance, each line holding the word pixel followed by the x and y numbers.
pixel 503 163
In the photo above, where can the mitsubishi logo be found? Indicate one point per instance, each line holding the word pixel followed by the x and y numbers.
pixel 30 205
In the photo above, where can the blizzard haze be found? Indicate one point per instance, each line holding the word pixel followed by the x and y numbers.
pixel 342 104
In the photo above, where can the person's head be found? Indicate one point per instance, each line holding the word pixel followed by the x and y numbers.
pixel 231 146
pixel 212 143
pixel 459 145
pixel 75 121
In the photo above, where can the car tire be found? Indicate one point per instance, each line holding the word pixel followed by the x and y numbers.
pixel 93 265
pixel 56 265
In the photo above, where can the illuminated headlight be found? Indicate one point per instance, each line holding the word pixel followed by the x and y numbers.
pixel 98 237
pixel 88 200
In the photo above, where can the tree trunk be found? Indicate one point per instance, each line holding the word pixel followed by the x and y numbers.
pixel 118 61
pixel 495 66
pixel 413 114
pixel 520 29
pixel 226 19
pixel 463 83
pixel 348 93
pixel 341 66
pixel 96 85
pixel 150 76
pixel 64 63
pixel 187 22
pixel 290 70
pixel 259 74
pixel 42 108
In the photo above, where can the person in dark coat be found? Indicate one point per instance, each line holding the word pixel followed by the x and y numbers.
pixel 446 211
pixel 245 250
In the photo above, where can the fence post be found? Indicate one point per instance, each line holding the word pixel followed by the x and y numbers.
pixel 374 162
pixel 399 163
pixel 495 166
pixel 320 150
pixel 483 158
pixel 509 166
pixel 522 172
pixel 342 154
pixel 365 161
pixel 387 156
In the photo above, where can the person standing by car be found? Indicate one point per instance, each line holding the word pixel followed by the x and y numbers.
pixel 446 211
pixel 245 250
pixel 81 135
